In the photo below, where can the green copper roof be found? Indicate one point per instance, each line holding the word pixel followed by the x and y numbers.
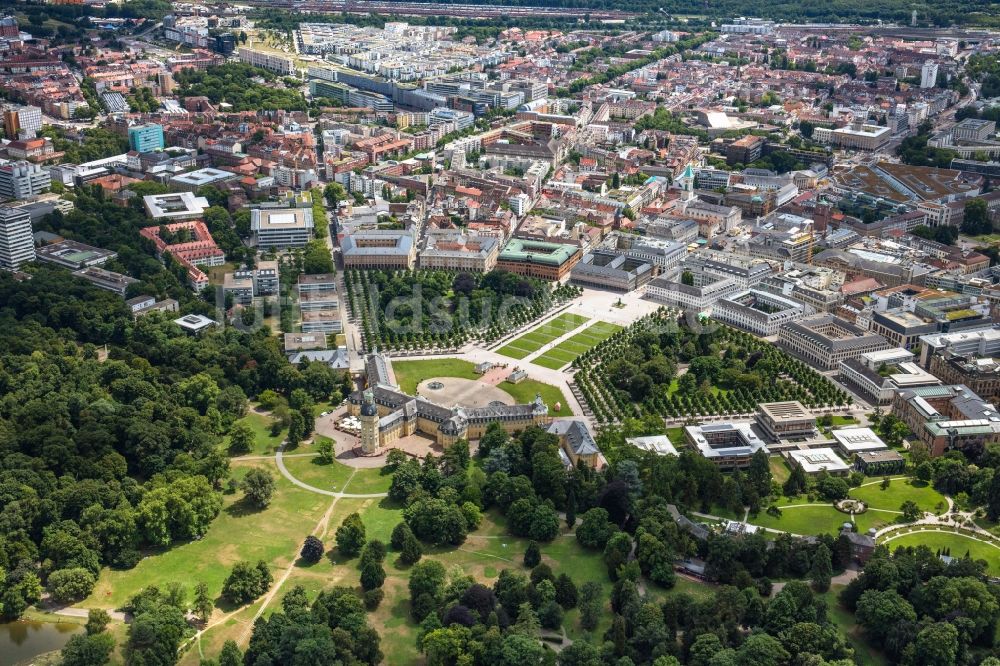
pixel 538 252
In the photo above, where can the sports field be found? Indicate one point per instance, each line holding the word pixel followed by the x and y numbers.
pixel 566 351
pixel 535 339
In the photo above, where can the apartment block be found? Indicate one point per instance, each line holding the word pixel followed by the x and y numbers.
pixel 17 246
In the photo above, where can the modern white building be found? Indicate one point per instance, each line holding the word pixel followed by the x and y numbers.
pixel 281 227
pixel 728 445
pixel 759 312
pixel 877 375
pixel 980 343
pixel 928 74
pixel 852 441
pixel 748 26
pixel 859 136
pixel 814 461
pixel 175 206
pixel 266 60
pixel 17 246
pixel 20 180
pixel 658 444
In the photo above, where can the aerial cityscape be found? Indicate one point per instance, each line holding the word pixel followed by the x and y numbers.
pixel 577 333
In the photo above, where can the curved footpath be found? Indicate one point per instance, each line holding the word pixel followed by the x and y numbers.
pixel 279 460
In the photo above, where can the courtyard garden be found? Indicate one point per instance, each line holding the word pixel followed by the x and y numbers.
pixel 409 374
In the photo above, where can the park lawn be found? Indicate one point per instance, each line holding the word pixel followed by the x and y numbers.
pixel 514 351
pixel 958 543
pixel 216 274
pixel 991 526
pixel 334 476
pixel 779 469
pixel 900 491
pixel 237 533
pixel 308 469
pixel 848 626
pixel 676 436
pixel 368 481
pixel 265 443
pixel 329 571
pixel 567 350
pixel 537 338
pixel 804 520
pixel 526 390
pixel 873 519
pixel 410 373
pixel 841 420
pixel 554 361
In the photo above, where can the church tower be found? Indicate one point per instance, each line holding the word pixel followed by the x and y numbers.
pixel 369 425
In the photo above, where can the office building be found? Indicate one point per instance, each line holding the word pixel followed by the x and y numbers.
pixel 852 441
pixel 73 255
pixel 603 269
pixel 107 280
pixel 748 26
pixel 146 138
pixel 380 249
pixel 980 374
pixel 247 284
pixel 744 150
pixel 728 445
pixel 142 305
pixel 823 341
pixel 538 259
pixel 267 60
pixel 814 461
pixel 17 246
pixel 174 207
pixel 281 227
pixel 948 417
pixel 195 324
pixel 974 130
pixel 319 303
pixel 859 136
pixel 785 420
pixel 879 463
pixel 759 312
pixel 980 343
pixel 707 288
pixel 453 251
pixel 876 376
pixel 192 180
pixel 21 180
